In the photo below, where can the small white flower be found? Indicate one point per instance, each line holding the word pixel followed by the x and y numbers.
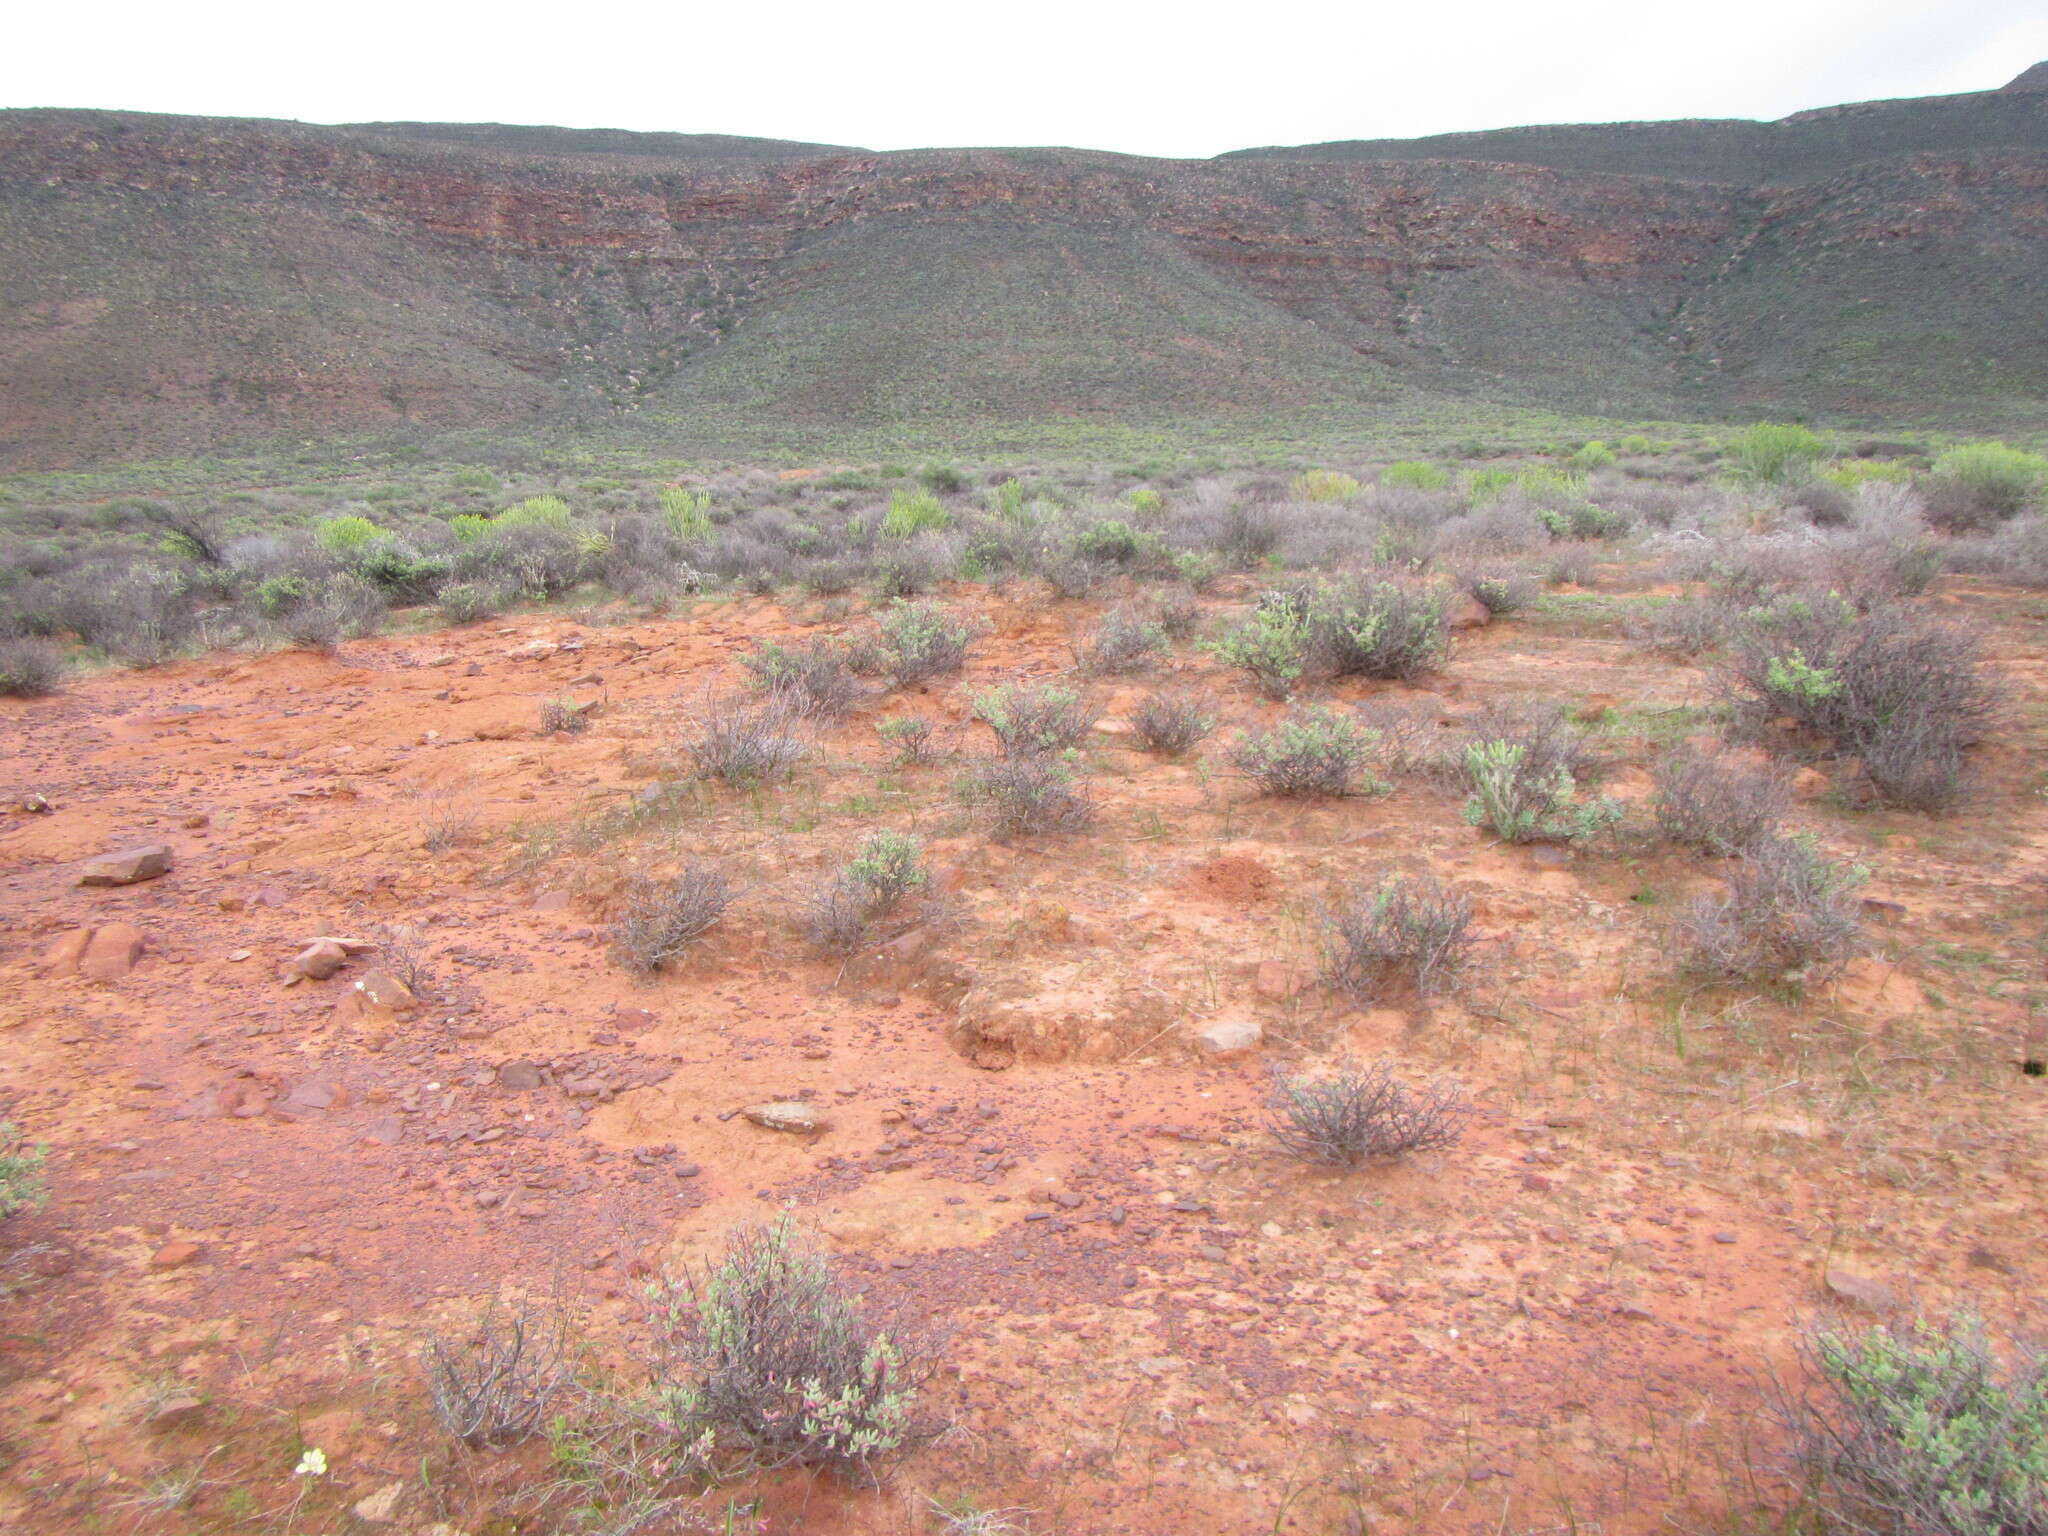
pixel 312 1464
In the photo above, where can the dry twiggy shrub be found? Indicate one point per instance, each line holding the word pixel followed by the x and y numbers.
pixel 493 1385
pixel 664 917
pixel 1715 803
pixel 1356 1114
pixel 1172 722
pixel 1410 929
pixel 1787 913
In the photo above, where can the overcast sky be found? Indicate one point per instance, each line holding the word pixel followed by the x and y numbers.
pixel 1183 79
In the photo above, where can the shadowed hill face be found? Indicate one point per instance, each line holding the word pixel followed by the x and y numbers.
pixel 174 284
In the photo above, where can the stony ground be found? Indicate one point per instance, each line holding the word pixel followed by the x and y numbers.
pixel 265 1189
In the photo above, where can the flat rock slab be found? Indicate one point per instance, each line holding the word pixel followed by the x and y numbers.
pixel 128 866
pixel 791 1115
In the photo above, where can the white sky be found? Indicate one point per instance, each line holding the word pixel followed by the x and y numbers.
pixel 1187 79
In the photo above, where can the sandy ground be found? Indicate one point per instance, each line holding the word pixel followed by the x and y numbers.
pixel 263 1195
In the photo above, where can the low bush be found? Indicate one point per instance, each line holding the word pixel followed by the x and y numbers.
pixel 493 1385
pixel 470 602
pixel 1026 795
pixel 1923 1429
pixel 817 676
pixel 564 716
pixel 1775 453
pixel 1027 720
pixel 23 1186
pixel 1271 643
pixel 911 512
pixel 347 536
pixel 1683 628
pixel 1979 484
pixel 744 743
pixel 1356 1114
pixel 773 1353
pixel 1122 643
pixel 1905 693
pixel 1311 752
pixel 1325 485
pixel 663 917
pixel 912 736
pixel 1379 629
pixel 1787 912
pixel 920 641
pixel 1415 475
pixel 1177 612
pixel 841 916
pixel 1712 802
pixel 1170 722
pixel 1502 591
pixel 29 669
pixel 1411 930
pixel 1522 768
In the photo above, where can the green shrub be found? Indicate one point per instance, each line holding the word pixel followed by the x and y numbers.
pixel 1325 485
pixel 686 512
pixel 469 526
pixel 841 915
pixel 1025 794
pixel 1112 542
pixel 920 641
pixel 942 478
pixel 1311 752
pixel 1634 443
pixel 22 1184
pixel 473 477
pixel 537 512
pixel 911 512
pixel 1583 520
pixel 1775 453
pixel 1271 643
pixel 1049 718
pixel 1591 456
pixel 1414 475
pixel 468 602
pixel 773 1353
pixel 2001 480
pixel 1924 1430
pixel 1380 629
pixel 1146 502
pixel 346 536
pixel 1522 769
pixel 1007 501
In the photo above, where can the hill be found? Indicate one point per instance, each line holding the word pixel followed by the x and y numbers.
pixel 174 285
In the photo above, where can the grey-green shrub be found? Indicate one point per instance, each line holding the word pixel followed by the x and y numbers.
pixel 1923 1429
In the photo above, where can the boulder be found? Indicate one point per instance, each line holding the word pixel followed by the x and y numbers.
pixel 316 962
pixel 1467 612
pixel 112 953
pixel 1221 1039
pixel 64 952
pixel 128 866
